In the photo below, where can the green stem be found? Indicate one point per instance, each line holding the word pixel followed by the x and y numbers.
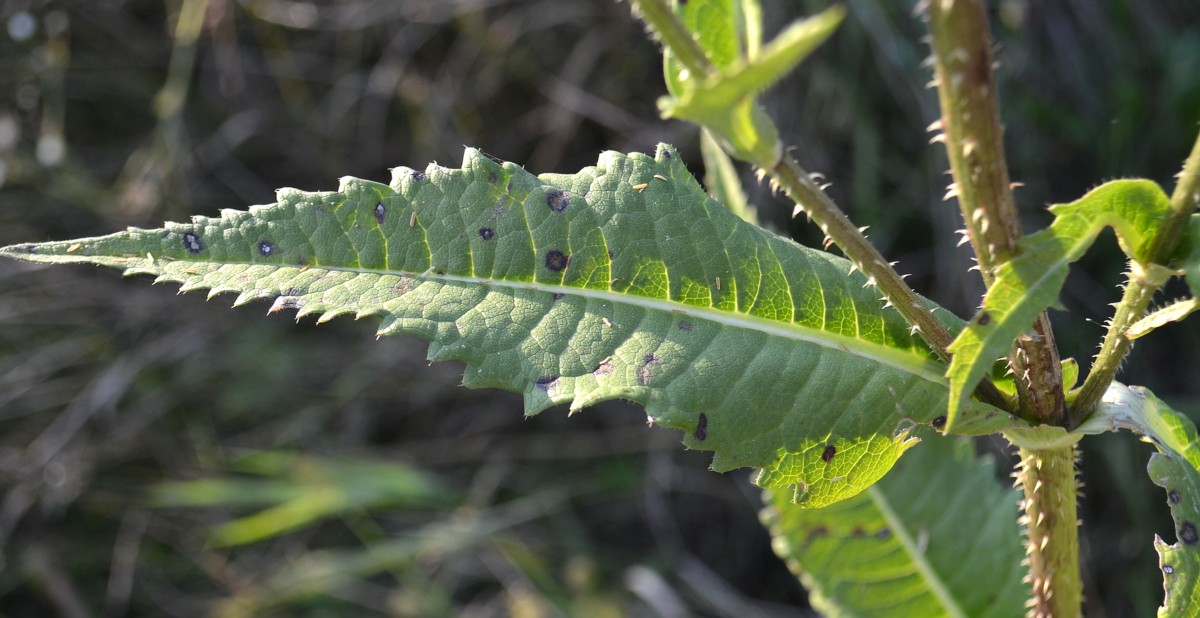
pixel 1048 480
pixel 674 35
pixel 1140 288
pixel 975 146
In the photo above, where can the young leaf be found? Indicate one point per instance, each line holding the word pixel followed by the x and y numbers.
pixel 621 281
pixel 1028 284
pixel 717 29
pixel 1175 468
pixel 1182 308
pixel 937 536
pixel 725 102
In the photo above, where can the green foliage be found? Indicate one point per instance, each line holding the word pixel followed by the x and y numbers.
pixel 621 281
pixel 936 537
pixel 725 100
pixel 1028 284
pixel 722 180
pixel 1180 309
pixel 298 491
pixel 1176 469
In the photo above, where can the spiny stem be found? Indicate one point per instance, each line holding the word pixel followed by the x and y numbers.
pixel 975 146
pixel 799 186
pixel 1048 480
pixel 1140 288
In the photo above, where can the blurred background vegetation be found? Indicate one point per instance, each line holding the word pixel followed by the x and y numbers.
pixel 170 457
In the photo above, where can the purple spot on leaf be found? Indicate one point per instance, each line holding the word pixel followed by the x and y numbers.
pixel 192 243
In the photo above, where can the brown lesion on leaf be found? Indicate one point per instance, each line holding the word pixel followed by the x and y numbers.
pixel 645 371
pixel 285 302
pixel 404 285
pixel 1188 534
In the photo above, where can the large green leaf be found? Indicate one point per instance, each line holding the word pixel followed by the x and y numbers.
pixel 938 536
pixel 1028 284
pixel 621 281
pixel 1175 468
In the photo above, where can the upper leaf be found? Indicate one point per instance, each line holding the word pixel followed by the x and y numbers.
pixel 1189 263
pixel 1029 283
pixel 725 101
pixel 937 536
pixel 621 281
pixel 1175 468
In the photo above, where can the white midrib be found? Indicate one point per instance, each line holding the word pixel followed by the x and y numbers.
pixel 929 370
pixel 928 574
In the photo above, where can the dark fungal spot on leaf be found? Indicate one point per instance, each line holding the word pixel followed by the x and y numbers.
pixel 492 177
pixel 884 534
pixel 645 371
pixel 828 453
pixel 1173 496
pixel 558 200
pixel 858 531
pixel 985 318
pixel 559 296
pixel 265 248
pixel 545 382
pixel 1168 569
pixel 667 153
pixel 487 233
pixel 938 422
pixel 701 427
pixel 604 368
pixel 418 176
pixel 380 213
pixel 192 243
pixel 610 254
pixel 685 326
pixel 556 260
pixel 1187 533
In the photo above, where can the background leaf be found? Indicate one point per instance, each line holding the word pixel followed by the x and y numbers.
pixel 622 281
pixel 937 536
pixel 297 491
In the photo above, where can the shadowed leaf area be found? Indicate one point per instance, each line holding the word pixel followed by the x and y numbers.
pixel 623 280
pixel 937 538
